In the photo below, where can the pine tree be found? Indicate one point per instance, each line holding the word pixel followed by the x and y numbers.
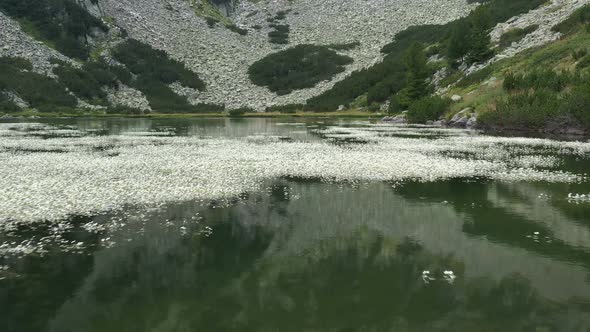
pixel 459 42
pixel 416 63
pixel 480 39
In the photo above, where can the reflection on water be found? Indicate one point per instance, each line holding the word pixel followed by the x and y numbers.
pixel 301 255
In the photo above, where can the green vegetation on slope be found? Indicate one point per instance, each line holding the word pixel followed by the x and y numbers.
pixel 154 71
pixel 385 79
pixel 300 67
pixel 63 24
pixel 523 96
pixel 38 90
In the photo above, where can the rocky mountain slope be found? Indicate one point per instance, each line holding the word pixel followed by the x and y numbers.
pixel 220 39
pixel 222 57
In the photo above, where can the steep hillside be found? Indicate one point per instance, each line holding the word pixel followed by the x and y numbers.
pixel 243 51
pixel 221 52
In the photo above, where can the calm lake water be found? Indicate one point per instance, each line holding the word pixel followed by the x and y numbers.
pixel 296 252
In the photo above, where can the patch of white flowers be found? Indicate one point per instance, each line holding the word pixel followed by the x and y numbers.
pixel 578 198
pixel 91 174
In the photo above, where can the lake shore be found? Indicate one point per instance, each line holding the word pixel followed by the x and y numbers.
pixel 85 114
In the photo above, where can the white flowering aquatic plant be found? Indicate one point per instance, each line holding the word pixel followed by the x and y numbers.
pixel 47 180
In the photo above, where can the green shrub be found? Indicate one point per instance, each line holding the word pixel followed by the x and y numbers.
pixel 101 72
pixel 123 110
pixel 7 105
pixel 63 23
pixel 578 18
pixel 80 82
pixel 280 34
pixel 541 79
pixel 300 67
pixel 237 112
pixel 428 109
pixel 237 29
pixel 146 61
pixel 577 103
pixel 122 73
pixel 155 70
pixel 208 108
pixel 516 35
pixel 289 108
pixel 36 89
pixel 17 63
pixel 527 110
pixel 578 54
pixel 161 98
pixel 583 63
pixel 344 47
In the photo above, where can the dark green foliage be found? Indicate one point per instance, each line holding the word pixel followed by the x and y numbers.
pixel 541 79
pixel 123 110
pixel 578 54
pixel 579 17
pixel 161 97
pixel 396 105
pixel 280 34
pixel 81 83
pixel 122 73
pixel 527 110
pixel 7 105
pixel 392 67
pixel 61 22
pixel 459 42
pixel 516 35
pixel 417 73
pixel 211 21
pixel 344 47
pixel 290 108
pixel 583 63
pixel 101 72
pixel 577 103
pixel 481 22
pixel 237 112
pixel 428 109
pixel 146 61
pixel 542 98
pixel 237 29
pixel 20 63
pixel 299 67
pixel 154 70
pixel 208 108
pixel 38 90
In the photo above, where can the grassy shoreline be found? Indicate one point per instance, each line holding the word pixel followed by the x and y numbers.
pixel 339 114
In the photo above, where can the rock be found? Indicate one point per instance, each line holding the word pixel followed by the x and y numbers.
pixel 398 119
pixel 456 98
pixel 341 108
pixel 461 114
pixel 471 123
pixel 439 123
pixel 461 123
